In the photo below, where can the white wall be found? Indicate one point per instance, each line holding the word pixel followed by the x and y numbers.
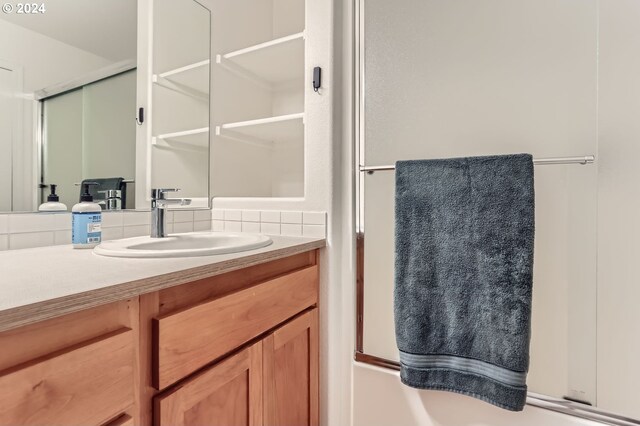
pixel 619 207
pixel 44 62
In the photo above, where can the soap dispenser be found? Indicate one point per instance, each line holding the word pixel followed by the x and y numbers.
pixel 86 220
pixel 53 203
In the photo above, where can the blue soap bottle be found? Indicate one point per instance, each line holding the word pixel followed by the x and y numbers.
pixel 86 217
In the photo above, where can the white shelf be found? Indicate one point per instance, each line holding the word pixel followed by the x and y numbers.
pixel 185 68
pixel 273 62
pixel 192 79
pixel 194 135
pixel 265 131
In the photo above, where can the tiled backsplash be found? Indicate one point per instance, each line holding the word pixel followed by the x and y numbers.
pixel 28 230
pixel 271 222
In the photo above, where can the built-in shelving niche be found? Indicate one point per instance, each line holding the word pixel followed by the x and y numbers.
pixel 258 99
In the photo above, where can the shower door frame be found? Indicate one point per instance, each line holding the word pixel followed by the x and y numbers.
pixel 360 355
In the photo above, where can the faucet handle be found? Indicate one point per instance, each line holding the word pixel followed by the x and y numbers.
pixel 159 192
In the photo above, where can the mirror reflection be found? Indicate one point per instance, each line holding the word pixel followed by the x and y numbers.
pixel 71 89
pixel 88 135
pixel 67 103
pixel 180 99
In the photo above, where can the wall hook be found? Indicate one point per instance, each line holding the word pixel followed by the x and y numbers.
pixel 317 79
pixel 140 116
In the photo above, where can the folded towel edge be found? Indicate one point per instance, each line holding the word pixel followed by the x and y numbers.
pixel 474 366
pixel 465 383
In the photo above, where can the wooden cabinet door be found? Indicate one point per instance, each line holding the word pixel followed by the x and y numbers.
pixel 291 373
pixel 86 384
pixel 227 394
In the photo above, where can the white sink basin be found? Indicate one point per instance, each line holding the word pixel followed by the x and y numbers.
pixel 183 245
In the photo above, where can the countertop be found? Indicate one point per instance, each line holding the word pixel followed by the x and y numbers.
pixel 43 283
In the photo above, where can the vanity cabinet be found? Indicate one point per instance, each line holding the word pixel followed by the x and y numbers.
pixel 245 356
pixel 240 348
pixel 192 338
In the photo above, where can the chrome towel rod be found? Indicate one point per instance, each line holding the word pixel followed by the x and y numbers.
pixel 586 159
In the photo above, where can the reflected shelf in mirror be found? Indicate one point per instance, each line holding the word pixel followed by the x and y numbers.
pixel 191 80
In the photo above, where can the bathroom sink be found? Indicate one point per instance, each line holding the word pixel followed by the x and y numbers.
pixel 183 245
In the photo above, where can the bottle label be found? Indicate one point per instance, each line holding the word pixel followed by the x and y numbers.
pixel 86 228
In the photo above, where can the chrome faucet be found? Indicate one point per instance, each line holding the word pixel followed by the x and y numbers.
pixel 158 206
pixel 112 199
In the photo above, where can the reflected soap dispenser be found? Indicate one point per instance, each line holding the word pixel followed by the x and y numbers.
pixel 53 203
pixel 86 217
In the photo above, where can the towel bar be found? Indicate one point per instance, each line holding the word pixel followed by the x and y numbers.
pixel 586 159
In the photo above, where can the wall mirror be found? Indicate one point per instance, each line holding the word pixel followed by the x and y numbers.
pixel 485 77
pixel 71 81
pixel 179 109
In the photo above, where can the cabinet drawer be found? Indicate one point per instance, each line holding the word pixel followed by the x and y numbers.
pixel 87 384
pixel 192 338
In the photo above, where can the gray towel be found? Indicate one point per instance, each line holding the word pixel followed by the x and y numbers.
pixel 463 275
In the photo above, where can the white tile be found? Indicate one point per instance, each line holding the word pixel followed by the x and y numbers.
pixel 233 226
pixel 136 230
pixel 109 234
pixel 292 230
pixel 169 228
pixel 112 219
pixel 182 216
pixel 182 227
pixel 61 221
pixel 4 242
pixel 30 240
pixel 201 215
pixel 217 214
pixel 291 217
pixel 61 237
pixel 315 231
pixel 4 223
pixel 270 216
pixel 202 226
pixel 235 215
pixel 30 222
pixel 217 225
pixel 168 216
pixel 251 216
pixel 314 218
pixel 136 218
pixel 270 228
pixel 253 227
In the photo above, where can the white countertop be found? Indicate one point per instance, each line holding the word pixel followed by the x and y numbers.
pixel 41 283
